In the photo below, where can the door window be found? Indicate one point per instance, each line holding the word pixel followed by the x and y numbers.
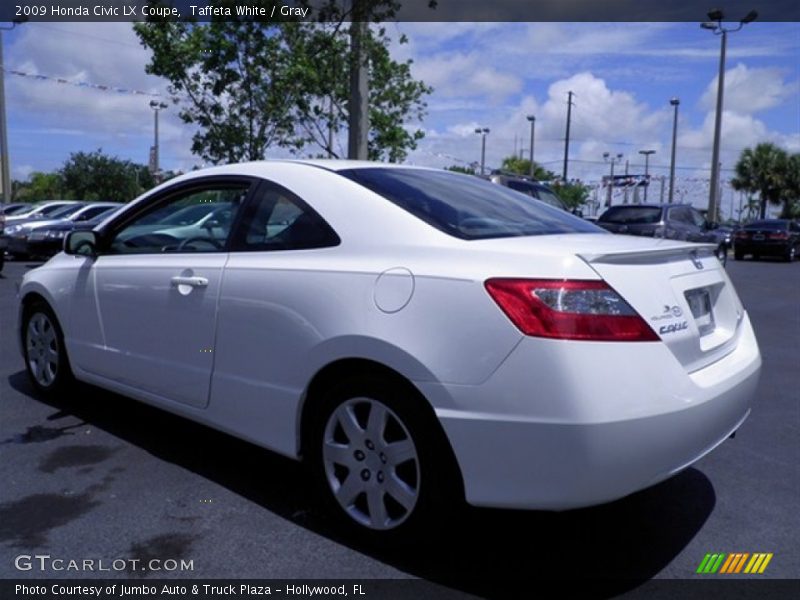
pixel 279 220
pixel 197 220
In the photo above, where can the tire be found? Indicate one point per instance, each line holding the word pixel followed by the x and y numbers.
pixel 738 255
pixel 722 254
pixel 791 254
pixel 2 260
pixel 43 346
pixel 756 256
pixel 378 461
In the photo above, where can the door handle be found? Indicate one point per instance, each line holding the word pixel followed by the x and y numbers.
pixel 191 281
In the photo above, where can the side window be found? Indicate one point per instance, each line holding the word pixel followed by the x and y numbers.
pixel 679 214
pixel 92 212
pixel 278 220
pixel 697 218
pixel 197 220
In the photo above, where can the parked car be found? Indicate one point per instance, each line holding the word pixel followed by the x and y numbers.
pixel 3 242
pixel 10 209
pixel 528 186
pixel 49 240
pixel 38 210
pixel 419 337
pixel 19 234
pixel 770 237
pixel 671 221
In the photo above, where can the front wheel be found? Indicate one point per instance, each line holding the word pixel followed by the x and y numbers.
pixel 377 461
pixel 43 345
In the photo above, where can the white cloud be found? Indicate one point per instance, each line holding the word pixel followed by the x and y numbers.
pixel 749 90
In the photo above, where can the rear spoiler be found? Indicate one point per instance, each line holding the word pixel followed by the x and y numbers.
pixel 674 251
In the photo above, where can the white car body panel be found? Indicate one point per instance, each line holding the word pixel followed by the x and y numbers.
pixel 533 422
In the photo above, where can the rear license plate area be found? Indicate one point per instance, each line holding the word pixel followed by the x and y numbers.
pixel 758 237
pixel 699 301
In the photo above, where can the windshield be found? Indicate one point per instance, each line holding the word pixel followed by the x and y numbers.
pixel 631 215
pixel 65 211
pixel 769 225
pixel 546 195
pixel 16 210
pixel 466 206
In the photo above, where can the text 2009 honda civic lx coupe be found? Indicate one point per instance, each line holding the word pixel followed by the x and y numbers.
pixel 416 335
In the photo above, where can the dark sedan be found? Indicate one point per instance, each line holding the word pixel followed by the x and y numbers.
pixel 770 237
pixel 47 241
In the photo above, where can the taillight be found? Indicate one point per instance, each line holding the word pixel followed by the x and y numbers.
pixel 781 235
pixel 569 310
pixel 741 235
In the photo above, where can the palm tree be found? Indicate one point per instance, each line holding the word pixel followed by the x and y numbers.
pixel 761 169
pixel 790 190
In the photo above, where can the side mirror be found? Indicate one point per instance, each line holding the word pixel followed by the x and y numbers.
pixel 211 223
pixel 577 212
pixel 81 243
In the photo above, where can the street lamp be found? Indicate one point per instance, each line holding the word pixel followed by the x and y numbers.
pixel 156 106
pixel 613 160
pixel 674 102
pixel 532 120
pixel 647 154
pixel 715 25
pixel 5 168
pixel 483 131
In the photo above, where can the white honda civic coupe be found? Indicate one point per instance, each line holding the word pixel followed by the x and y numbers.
pixel 420 337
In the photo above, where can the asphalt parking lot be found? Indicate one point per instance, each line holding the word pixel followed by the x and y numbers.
pixel 96 475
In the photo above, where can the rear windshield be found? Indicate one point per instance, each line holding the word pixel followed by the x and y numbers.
pixel 768 225
pixel 631 215
pixel 466 206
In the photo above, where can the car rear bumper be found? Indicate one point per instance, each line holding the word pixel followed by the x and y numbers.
pixel 594 428
pixel 776 248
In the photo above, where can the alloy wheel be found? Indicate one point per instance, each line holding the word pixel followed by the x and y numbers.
pixel 41 344
pixel 371 463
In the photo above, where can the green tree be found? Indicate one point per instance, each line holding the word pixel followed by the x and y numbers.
pixel 460 169
pixel 249 86
pixel 522 166
pixel 41 186
pixel 573 194
pixel 790 188
pixel 761 170
pixel 97 176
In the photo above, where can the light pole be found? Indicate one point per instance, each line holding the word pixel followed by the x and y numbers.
pixel 613 160
pixel 674 102
pixel 715 25
pixel 483 131
pixel 647 154
pixel 5 168
pixel 532 120
pixel 156 106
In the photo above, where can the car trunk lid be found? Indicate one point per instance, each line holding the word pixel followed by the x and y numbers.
pixel 682 291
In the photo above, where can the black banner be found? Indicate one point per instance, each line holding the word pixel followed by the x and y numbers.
pixel 406 10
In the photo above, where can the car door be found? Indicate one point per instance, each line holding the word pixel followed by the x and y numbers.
pixel 276 299
pixel 157 290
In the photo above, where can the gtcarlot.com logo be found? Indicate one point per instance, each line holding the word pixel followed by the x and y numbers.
pixel 735 563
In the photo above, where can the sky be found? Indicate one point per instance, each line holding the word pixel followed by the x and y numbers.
pixel 484 75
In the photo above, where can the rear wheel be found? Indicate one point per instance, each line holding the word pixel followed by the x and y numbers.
pixel 43 345
pixel 738 255
pixel 791 254
pixel 377 461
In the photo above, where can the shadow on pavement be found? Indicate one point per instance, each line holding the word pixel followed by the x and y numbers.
pixel 607 550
